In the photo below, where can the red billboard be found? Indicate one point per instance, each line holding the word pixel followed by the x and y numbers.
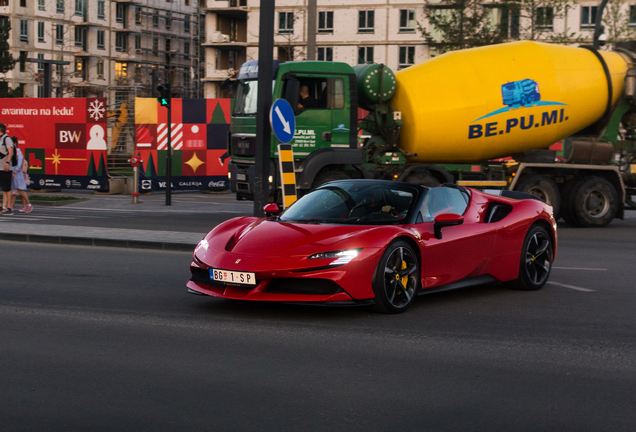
pixel 63 139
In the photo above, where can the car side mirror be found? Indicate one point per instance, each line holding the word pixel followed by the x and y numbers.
pixel 271 209
pixel 445 220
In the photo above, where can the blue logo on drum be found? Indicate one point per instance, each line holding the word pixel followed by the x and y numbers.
pixel 517 94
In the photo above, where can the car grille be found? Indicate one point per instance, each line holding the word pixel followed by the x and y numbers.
pixel 303 286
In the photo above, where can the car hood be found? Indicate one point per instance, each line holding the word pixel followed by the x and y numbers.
pixel 265 236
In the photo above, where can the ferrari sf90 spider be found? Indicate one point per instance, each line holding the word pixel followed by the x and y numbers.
pixel 378 242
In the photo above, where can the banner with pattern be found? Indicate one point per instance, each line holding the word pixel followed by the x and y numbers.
pixel 199 130
pixel 63 140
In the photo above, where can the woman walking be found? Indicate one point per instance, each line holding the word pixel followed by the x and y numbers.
pixel 18 182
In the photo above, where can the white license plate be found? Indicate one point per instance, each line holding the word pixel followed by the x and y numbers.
pixel 241 177
pixel 233 277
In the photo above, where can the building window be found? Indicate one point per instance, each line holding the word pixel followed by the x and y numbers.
pixel 100 9
pixel 325 22
pixel 155 18
pixel 40 91
pixel 366 21
pixel 40 65
pixel 155 46
pixel 285 22
pixel 41 5
pixel 186 50
pixel 325 54
pixel 138 43
pixel 23 57
pixel 24 30
pixel 121 42
pixel 120 12
pixel 588 16
pixel 40 31
pixel 545 18
pixel 59 34
pixel 186 78
pixel 100 39
pixel 407 57
pixel 632 16
pixel 79 7
pixel 365 55
pixel 137 15
pixel 186 24
pixel 79 36
pixel 100 69
pixel 60 6
pixel 168 20
pixel 22 3
pixel 121 70
pixel 407 20
pixel 78 67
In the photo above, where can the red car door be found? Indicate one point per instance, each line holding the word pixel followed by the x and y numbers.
pixel 464 250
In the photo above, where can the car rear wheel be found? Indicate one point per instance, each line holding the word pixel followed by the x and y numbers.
pixel 397 278
pixel 536 260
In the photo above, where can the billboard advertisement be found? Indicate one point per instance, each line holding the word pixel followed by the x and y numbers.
pixel 63 139
pixel 199 134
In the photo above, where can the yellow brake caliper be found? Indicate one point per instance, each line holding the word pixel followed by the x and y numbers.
pixel 405 279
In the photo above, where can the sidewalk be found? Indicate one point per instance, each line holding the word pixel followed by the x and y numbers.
pixel 113 220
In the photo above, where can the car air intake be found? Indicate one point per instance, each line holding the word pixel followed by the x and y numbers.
pixel 303 286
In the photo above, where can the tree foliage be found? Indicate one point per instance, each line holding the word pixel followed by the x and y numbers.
pixel 7 62
pixel 616 22
pixel 459 24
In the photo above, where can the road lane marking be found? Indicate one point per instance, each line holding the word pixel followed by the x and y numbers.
pixel 580 268
pixel 570 286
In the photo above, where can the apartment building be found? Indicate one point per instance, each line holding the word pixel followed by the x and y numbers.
pixel 380 31
pixel 112 46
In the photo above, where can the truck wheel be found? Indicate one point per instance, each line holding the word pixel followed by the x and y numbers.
pixel 422 179
pixel 567 207
pixel 595 202
pixel 543 187
pixel 327 176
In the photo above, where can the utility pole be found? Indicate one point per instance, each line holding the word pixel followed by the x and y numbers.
pixel 311 29
pixel 164 99
pixel 264 103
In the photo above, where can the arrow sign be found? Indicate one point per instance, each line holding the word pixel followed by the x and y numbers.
pixel 281 117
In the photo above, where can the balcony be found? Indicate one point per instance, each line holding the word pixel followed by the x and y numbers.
pixel 223 41
pixel 231 9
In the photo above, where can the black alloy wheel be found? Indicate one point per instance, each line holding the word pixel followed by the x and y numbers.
pixel 397 278
pixel 536 260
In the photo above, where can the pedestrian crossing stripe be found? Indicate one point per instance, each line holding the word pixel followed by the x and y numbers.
pixel 287 174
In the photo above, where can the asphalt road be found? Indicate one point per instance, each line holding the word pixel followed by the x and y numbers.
pixel 105 339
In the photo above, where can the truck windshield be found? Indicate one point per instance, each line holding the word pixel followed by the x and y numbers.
pixel 246 98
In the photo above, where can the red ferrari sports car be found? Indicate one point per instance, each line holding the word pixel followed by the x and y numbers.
pixel 378 242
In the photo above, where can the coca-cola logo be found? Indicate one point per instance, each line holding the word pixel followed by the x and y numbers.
pixel 217 184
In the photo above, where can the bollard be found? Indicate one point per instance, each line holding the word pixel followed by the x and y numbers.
pixel 135 161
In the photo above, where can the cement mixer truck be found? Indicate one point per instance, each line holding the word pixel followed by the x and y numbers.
pixel 483 117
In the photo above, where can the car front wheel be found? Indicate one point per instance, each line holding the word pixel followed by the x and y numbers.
pixel 397 278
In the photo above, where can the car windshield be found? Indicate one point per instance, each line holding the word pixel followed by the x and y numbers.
pixel 356 203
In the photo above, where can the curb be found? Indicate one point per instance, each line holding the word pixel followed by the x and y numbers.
pixel 100 242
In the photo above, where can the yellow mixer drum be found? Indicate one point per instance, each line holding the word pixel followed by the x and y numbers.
pixel 490 102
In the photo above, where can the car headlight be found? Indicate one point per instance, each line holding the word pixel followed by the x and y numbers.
pixel 342 256
pixel 203 244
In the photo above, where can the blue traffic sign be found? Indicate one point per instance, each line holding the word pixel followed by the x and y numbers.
pixel 282 119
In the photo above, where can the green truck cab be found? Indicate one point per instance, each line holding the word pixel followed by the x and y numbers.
pixel 326 130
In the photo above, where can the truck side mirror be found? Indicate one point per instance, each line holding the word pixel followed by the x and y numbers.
pixel 444 220
pixel 292 91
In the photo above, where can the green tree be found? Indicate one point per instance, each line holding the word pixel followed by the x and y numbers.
pixel 459 24
pixel 616 18
pixel 7 62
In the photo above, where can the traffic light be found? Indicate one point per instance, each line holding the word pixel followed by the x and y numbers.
pixel 164 95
